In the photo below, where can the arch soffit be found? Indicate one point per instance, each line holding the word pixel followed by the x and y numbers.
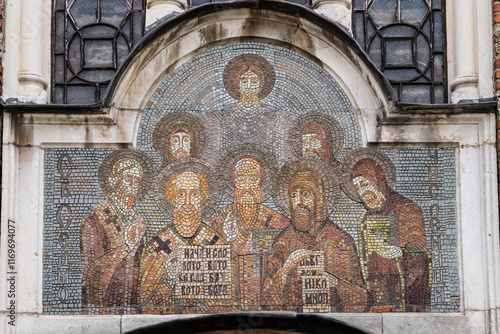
pixel 176 41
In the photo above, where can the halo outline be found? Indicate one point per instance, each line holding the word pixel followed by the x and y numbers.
pixel 328 177
pixel 361 153
pixel 298 124
pixel 197 126
pixel 234 65
pixel 148 170
pixel 263 155
pixel 195 165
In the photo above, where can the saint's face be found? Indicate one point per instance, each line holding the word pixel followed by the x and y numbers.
pixel 249 86
pixel 312 145
pixel 247 182
pixel 188 201
pixel 179 144
pixel 129 186
pixel 369 192
pixel 303 207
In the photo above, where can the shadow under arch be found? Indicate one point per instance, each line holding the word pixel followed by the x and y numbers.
pixel 252 322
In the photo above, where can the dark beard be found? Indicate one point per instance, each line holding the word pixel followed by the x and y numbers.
pixel 302 217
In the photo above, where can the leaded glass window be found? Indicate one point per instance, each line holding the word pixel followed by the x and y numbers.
pixel 406 40
pixel 91 39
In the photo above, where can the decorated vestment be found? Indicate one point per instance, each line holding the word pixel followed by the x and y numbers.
pixel 239 235
pixel 172 266
pixel 111 245
pixel 327 279
pixel 399 279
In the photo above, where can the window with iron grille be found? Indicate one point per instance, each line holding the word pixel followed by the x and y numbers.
pixel 91 39
pixel 406 40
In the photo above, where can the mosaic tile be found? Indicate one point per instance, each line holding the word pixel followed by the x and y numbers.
pixel 248 191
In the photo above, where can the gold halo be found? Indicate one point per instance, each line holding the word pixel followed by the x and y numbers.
pixel 361 153
pixel 161 128
pixel 264 156
pixel 328 177
pixel 235 65
pixel 148 170
pixel 198 166
pixel 294 134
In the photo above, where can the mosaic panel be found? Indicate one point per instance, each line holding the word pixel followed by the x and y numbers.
pixel 249 191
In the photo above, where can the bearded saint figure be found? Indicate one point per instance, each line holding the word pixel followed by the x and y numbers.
pixel 248 79
pixel 237 222
pixel 112 240
pixel 317 143
pixel 161 268
pixel 179 135
pixel 395 261
pixel 312 251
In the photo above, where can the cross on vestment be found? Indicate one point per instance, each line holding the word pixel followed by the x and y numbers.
pixel 163 246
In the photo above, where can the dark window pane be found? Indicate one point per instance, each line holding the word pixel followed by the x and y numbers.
pixel 438 94
pixel 416 94
pixel 81 94
pixel 84 12
pixel 113 11
pixel 375 51
pixel 59 69
pixel 438 68
pixel 60 4
pixel 413 11
pixel 126 28
pixel 96 75
pixel 59 32
pixel 426 28
pixel 370 28
pixel 423 52
pixel 404 39
pixel 383 12
pixel 98 37
pixel 360 32
pixel 138 4
pixel 98 53
pixel 98 31
pixel 75 53
pixel 399 30
pixel 138 30
pixel 102 90
pixel 401 75
pixel 359 4
pixel 122 50
pixel 59 95
pixel 398 52
pixel 396 90
pixel 438 31
pixel 70 28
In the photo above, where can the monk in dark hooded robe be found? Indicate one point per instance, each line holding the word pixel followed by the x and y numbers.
pixel 395 262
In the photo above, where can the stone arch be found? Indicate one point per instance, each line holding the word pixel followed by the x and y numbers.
pixel 260 323
pixel 177 41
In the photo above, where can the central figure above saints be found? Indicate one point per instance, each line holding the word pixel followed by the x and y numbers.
pixel 248 79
